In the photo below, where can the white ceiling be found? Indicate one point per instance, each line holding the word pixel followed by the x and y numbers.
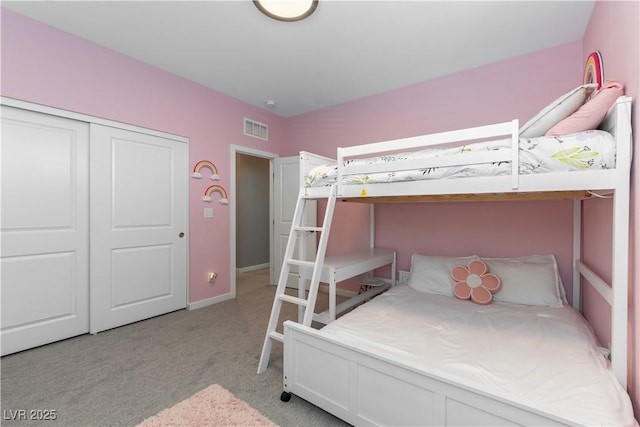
pixel 346 50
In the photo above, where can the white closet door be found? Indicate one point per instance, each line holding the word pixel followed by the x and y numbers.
pixel 138 226
pixel 45 273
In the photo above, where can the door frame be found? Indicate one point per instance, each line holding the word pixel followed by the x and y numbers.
pixel 239 149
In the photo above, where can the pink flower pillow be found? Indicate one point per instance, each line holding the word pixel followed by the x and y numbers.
pixel 475 282
pixel 591 113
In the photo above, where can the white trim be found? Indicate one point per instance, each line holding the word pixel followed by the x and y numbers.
pixel 253 268
pixel 209 301
pixel 233 150
pixel 53 111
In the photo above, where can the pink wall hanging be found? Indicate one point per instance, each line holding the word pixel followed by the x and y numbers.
pixel 594 69
pixel 216 189
pixel 205 164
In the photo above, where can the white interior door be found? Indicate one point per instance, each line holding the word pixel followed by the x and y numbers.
pixel 285 195
pixel 45 217
pixel 138 226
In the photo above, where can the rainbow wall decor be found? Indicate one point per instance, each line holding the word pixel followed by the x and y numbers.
pixel 594 69
pixel 205 164
pixel 216 189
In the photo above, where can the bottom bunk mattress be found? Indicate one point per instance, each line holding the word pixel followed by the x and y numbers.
pixel 540 357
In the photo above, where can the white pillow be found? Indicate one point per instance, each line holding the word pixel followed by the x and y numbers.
pixel 531 280
pixel 432 274
pixel 558 110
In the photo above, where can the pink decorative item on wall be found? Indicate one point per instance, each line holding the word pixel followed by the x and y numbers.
pixel 216 189
pixel 197 174
pixel 205 164
pixel 594 69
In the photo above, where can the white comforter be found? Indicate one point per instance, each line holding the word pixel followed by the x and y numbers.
pixel 594 149
pixel 544 358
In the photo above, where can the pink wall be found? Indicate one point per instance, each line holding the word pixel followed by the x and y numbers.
pixel 46 66
pixel 514 88
pixel 614 31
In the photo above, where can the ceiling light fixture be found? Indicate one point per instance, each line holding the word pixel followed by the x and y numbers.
pixel 287 10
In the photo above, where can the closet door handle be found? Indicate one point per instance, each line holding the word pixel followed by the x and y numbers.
pixel 181 235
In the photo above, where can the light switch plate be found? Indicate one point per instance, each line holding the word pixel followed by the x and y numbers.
pixel 208 212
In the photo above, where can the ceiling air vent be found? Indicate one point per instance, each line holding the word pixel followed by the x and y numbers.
pixel 256 129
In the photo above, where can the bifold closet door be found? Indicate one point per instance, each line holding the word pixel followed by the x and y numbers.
pixel 45 226
pixel 138 226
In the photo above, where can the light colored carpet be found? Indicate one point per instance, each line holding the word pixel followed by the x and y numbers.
pixel 122 376
pixel 213 406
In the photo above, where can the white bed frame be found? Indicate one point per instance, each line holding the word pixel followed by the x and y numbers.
pixel 365 388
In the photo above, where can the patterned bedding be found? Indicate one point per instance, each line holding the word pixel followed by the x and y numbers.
pixel 594 149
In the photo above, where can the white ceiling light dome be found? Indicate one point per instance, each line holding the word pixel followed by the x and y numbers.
pixel 287 10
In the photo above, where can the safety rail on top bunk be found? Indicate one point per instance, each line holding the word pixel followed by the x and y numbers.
pixel 514 186
pixel 511 128
pixel 486 132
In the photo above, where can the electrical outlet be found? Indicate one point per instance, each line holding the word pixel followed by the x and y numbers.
pixel 403 277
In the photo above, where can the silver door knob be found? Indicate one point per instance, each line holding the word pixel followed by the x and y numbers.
pixel 181 235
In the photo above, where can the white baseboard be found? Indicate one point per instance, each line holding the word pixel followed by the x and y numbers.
pixel 209 301
pixel 252 268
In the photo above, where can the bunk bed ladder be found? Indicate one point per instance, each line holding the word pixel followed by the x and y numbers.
pixel 298 230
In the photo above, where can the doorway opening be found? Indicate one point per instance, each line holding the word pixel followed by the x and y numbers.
pixel 251 215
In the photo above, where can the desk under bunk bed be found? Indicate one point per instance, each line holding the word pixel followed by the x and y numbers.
pixel 356 379
pixel 340 268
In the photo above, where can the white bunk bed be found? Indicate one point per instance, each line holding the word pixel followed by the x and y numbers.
pixel 358 381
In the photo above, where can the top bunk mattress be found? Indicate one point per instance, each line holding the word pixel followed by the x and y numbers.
pixel 542 357
pixel 589 150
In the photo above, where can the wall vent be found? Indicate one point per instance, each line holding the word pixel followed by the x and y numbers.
pixel 256 129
